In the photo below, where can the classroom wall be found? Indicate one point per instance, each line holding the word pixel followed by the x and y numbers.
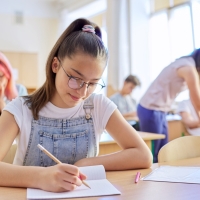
pixel 128 44
pixel 139 25
pixel 79 9
pixel 36 34
pixel 44 21
pixel 157 5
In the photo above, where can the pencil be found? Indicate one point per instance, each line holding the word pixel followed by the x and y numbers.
pixel 137 177
pixel 56 160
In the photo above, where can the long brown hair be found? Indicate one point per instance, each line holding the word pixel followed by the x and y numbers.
pixel 72 41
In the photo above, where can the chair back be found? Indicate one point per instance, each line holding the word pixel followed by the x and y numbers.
pixel 10 155
pixel 180 148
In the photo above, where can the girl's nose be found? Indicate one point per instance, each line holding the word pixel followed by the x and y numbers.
pixel 83 91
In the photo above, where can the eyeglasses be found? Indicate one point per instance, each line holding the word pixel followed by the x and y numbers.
pixel 77 83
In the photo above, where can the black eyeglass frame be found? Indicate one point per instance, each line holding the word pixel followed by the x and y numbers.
pixel 83 82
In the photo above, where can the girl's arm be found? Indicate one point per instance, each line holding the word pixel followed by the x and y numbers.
pixel 189 121
pixel 191 77
pixel 61 177
pixel 134 154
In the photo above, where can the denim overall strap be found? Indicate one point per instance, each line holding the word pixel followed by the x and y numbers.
pixel 88 106
pixel 69 140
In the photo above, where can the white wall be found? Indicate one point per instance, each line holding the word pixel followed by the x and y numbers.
pixel 37 33
pixel 118 42
pixel 91 8
pixel 140 44
pixel 44 21
pixel 121 47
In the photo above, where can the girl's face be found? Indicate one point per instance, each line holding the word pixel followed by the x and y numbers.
pixel 81 66
pixel 128 87
pixel 3 81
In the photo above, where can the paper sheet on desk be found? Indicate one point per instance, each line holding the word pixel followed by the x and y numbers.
pixel 98 188
pixel 174 174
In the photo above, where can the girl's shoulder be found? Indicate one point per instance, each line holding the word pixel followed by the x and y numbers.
pixel 103 103
pixel 184 61
pixel 100 99
pixel 103 109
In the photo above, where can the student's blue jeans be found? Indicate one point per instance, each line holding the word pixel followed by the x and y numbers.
pixel 153 121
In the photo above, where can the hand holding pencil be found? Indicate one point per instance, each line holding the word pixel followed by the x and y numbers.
pixel 69 173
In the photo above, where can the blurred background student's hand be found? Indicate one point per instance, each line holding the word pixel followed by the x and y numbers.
pixel 3 84
pixel 131 114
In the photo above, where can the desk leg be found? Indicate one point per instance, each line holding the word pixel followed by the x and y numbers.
pixel 150 144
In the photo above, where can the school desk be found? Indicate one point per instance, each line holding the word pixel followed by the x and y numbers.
pixel 175 126
pixel 124 182
pixel 108 145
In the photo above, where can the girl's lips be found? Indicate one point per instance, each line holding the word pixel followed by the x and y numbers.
pixel 74 98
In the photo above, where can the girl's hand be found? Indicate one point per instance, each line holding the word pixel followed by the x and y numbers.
pixel 2 103
pixel 60 178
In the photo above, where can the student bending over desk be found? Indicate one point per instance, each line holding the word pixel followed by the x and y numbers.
pixel 67 119
pixel 180 75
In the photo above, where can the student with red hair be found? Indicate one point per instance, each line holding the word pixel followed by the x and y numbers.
pixel 8 89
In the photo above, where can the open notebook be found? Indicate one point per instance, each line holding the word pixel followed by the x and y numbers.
pixel 96 179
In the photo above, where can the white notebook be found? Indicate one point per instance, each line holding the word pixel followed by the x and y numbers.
pixel 174 174
pixel 96 179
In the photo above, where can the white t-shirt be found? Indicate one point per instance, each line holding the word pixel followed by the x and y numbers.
pixel 186 106
pixel 165 88
pixel 103 109
pixel 125 104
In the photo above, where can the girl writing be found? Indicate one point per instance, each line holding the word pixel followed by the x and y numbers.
pixel 66 118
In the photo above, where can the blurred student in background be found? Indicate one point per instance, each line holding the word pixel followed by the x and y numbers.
pixel 181 74
pixel 8 89
pixel 189 117
pixel 125 103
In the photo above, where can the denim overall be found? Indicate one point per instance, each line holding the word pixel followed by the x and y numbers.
pixel 69 140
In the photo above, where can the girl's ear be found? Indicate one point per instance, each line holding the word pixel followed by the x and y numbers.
pixel 55 65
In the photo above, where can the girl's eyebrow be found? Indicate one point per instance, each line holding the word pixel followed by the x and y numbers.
pixel 78 72
pixel 96 79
